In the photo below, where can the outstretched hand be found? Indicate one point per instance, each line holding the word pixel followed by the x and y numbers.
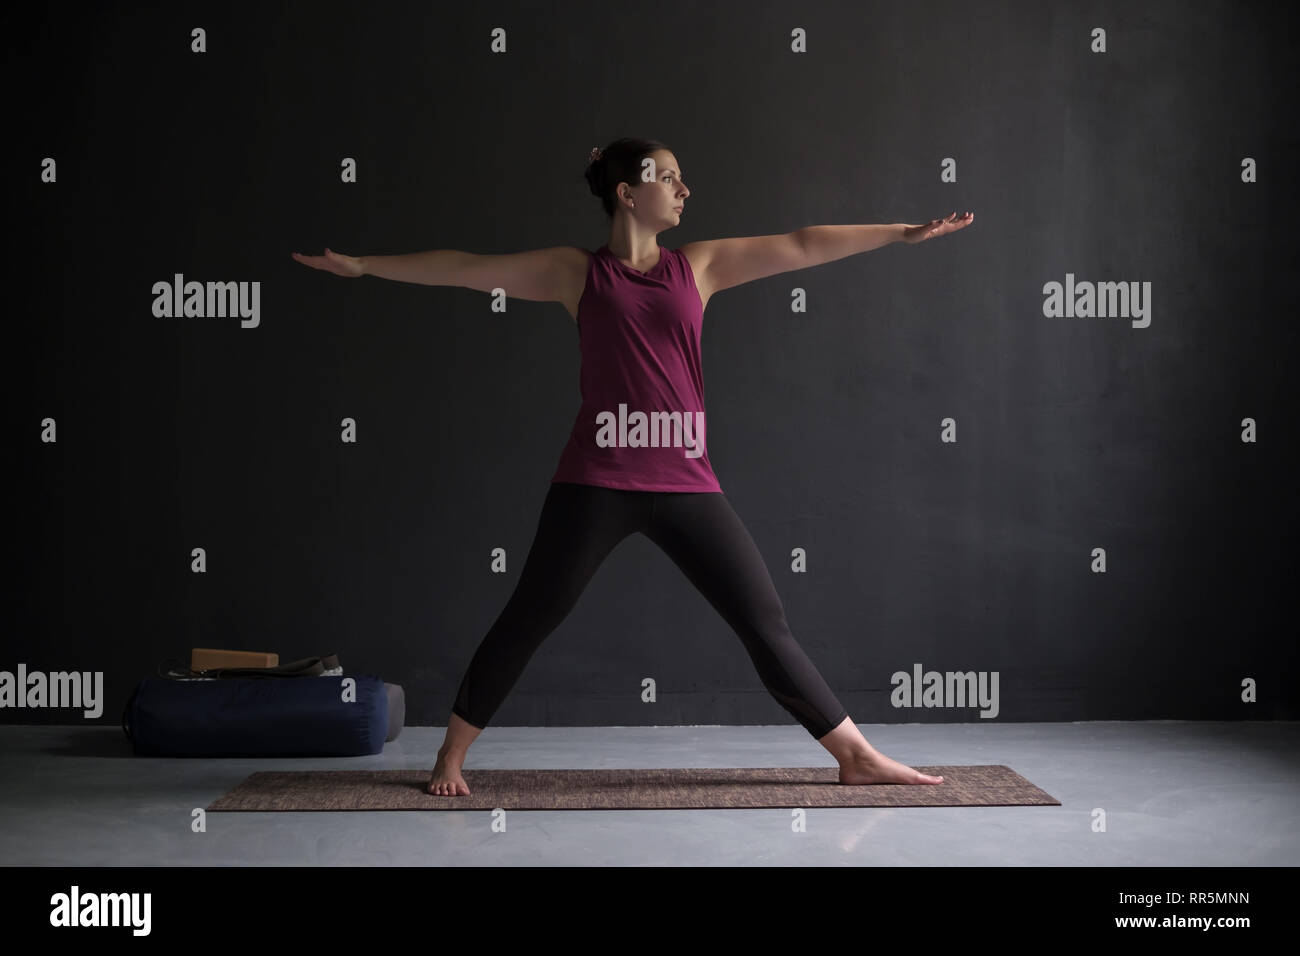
pixel 937 227
pixel 334 262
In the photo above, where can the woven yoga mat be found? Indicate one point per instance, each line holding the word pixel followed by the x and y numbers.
pixel 711 789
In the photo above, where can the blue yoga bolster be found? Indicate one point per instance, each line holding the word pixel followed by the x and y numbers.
pixel 258 717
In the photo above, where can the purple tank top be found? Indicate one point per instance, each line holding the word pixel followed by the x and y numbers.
pixel 641 422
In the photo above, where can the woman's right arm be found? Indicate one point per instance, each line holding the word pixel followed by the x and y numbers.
pixel 540 275
pixel 436 267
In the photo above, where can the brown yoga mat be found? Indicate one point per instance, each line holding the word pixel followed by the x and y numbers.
pixel 637 789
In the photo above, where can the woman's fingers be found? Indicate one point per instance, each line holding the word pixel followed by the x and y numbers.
pixel 941 227
pixel 316 262
pixel 336 262
pixel 954 220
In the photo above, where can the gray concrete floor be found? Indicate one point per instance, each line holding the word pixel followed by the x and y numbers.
pixel 1175 794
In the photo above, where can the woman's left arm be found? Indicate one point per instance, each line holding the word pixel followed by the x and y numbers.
pixel 726 263
pixel 828 243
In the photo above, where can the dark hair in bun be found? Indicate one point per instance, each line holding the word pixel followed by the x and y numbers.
pixel 620 162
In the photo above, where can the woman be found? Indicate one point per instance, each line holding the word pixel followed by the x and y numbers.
pixel 636 459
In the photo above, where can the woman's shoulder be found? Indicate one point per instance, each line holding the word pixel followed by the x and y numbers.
pixel 576 255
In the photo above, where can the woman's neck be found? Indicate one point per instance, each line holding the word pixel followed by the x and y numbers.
pixel 632 245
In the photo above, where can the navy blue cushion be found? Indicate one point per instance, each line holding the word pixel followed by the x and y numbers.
pixel 257 717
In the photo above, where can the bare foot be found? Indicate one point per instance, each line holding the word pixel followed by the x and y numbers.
pixel 446 781
pixel 875 767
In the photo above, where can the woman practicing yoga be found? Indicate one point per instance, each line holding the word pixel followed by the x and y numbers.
pixel 636 460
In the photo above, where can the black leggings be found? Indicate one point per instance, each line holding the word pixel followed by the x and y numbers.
pixel 699 531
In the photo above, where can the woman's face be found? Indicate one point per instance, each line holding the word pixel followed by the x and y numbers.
pixel 661 201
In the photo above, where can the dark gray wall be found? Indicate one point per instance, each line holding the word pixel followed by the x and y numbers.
pixel 824 427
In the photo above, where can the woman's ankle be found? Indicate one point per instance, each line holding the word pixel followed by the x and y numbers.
pixel 846 743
